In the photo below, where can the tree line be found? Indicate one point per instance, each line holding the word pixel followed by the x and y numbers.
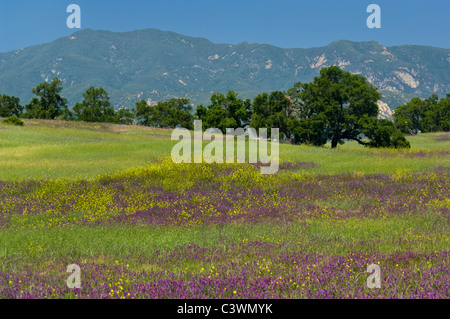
pixel 424 115
pixel 337 106
pixel 49 104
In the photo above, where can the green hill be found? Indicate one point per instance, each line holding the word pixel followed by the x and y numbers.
pixel 156 65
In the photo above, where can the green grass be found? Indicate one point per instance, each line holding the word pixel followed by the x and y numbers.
pixel 53 149
pixel 419 233
pixel 352 157
pixel 73 150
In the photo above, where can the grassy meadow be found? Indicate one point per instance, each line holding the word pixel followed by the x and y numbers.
pixel 109 199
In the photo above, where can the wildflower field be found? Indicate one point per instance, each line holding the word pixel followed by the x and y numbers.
pixel 109 199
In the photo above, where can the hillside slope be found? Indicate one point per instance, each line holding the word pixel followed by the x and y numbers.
pixel 156 65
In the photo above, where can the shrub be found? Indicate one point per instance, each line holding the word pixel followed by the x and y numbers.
pixel 13 120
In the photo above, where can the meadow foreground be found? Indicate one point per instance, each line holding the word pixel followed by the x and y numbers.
pixel 164 230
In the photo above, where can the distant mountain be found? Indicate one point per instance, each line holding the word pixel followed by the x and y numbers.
pixel 155 65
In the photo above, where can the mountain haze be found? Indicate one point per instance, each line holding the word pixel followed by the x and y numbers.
pixel 156 65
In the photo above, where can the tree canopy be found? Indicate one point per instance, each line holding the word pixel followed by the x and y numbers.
pixel 95 107
pixel 428 115
pixel 383 133
pixel 10 106
pixel 274 110
pixel 336 106
pixel 167 114
pixel 49 104
pixel 336 102
pixel 225 111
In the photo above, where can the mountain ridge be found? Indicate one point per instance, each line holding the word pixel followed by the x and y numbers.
pixel 155 65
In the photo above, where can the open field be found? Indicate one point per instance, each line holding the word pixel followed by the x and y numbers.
pixel 58 149
pixel 109 199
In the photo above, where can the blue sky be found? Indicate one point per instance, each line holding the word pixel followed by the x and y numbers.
pixel 284 23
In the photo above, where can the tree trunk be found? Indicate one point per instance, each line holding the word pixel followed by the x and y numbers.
pixel 334 142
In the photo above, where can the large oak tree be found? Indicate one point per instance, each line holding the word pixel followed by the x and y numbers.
pixel 336 102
